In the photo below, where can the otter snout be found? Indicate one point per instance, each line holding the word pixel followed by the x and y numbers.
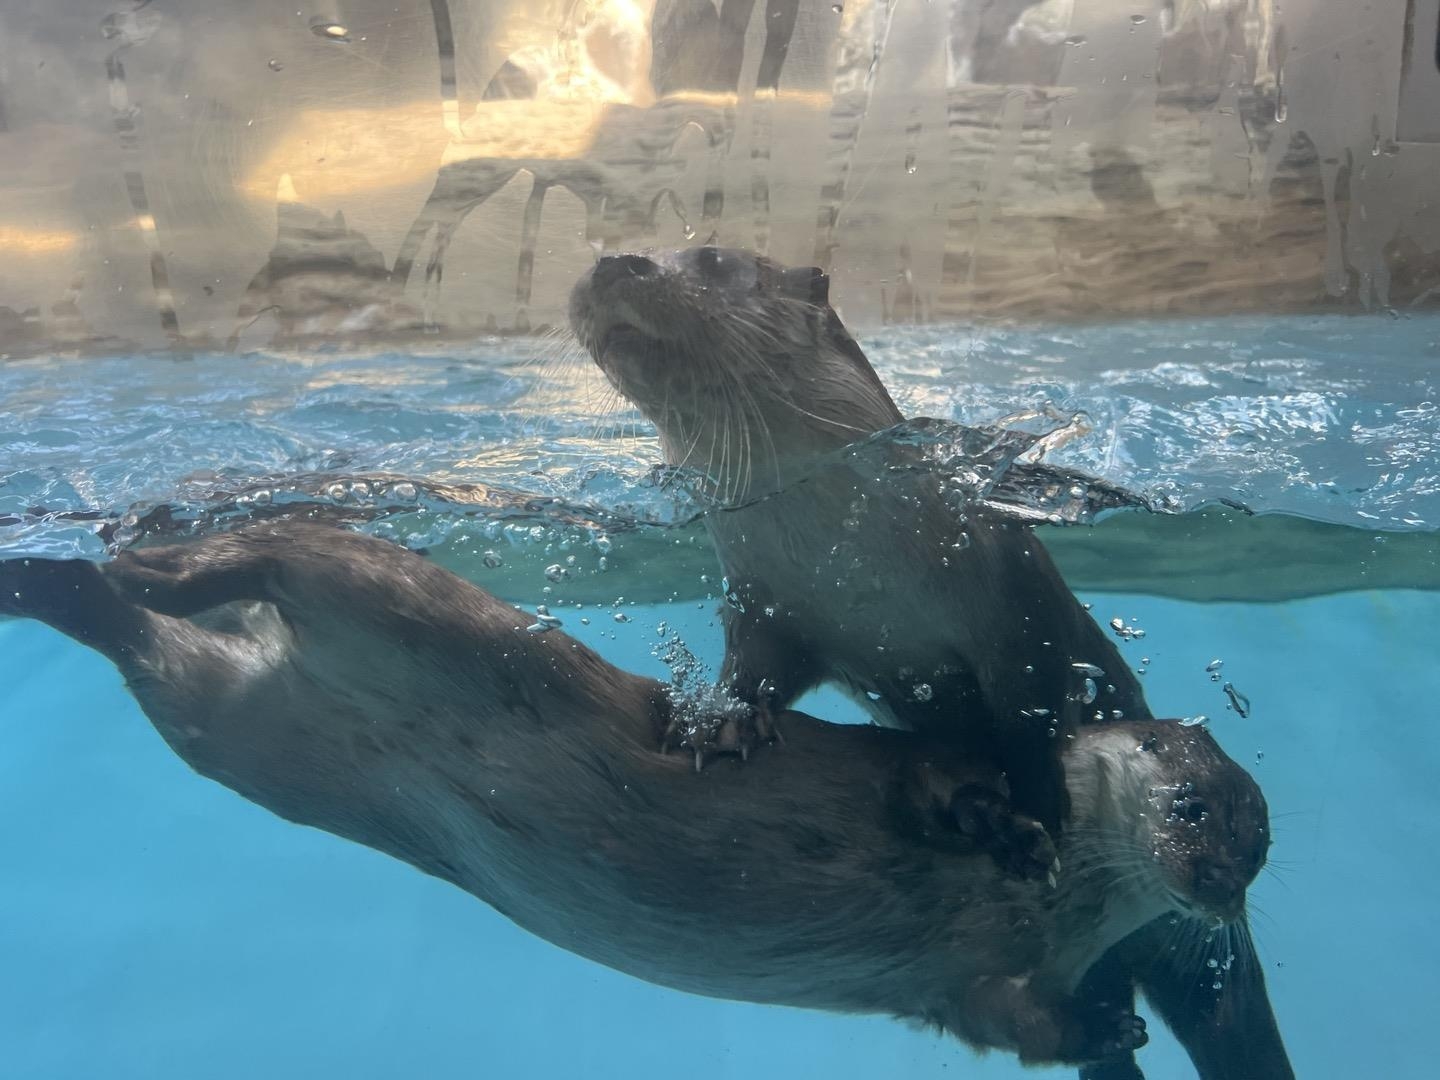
pixel 611 269
pixel 1218 885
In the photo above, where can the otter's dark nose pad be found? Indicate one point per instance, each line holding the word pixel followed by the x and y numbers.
pixel 1218 885
pixel 613 268
pixel 806 283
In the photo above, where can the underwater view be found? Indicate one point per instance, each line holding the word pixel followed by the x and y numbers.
pixel 1261 529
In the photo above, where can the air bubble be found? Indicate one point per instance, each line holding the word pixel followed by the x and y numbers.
pixel 1074 41
pixel 492 559
pixel 1238 701
pixel 923 691
pixel 556 572
pixel 1090 694
pixel 620 616
pixel 1194 721
pixel 1088 669
pixel 276 65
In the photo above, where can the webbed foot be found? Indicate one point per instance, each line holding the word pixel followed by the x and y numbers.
pixel 1020 845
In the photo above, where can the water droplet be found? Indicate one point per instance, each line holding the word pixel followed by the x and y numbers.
pixel 276 65
pixel 689 231
pixel 910 163
pixel 491 559
pixel 837 8
pixel 329 29
pixel 923 691
pixel 1074 41
pixel 1137 20
pixel 556 572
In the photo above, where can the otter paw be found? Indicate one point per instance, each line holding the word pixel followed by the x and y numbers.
pixel 1112 1031
pixel 736 729
pixel 1020 845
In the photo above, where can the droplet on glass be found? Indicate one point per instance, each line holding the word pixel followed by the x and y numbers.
pixel 329 29
pixel 276 65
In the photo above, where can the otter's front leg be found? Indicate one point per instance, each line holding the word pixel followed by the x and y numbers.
pixel 1041 1029
pixel 1230 1033
pixel 765 670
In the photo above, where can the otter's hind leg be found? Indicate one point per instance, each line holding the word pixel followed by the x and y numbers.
pixel 73 597
pixel 182 580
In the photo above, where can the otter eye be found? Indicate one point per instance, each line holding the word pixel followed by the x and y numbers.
pixel 1193 810
pixel 806 283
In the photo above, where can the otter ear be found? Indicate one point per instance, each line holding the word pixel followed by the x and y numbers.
pixel 806 283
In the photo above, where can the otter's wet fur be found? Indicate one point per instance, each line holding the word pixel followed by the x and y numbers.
pixel 349 685
pixel 936 617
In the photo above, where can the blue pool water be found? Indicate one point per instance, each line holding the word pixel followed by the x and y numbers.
pixel 153 924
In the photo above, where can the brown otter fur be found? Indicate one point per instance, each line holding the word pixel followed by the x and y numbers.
pixel 350 685
pixel 937 618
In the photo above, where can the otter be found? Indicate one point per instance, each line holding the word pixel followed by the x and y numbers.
pixel 933 620
pixel 939 618
pixel 350 685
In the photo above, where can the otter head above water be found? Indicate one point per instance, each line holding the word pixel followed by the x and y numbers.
pixel 1203 830
pixel 739 362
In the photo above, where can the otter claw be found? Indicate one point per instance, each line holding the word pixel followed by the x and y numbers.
pixel 726 733
pixel 1019 845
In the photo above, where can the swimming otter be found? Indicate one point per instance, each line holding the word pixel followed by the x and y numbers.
pixel 350 685
pixel 937 617
pixel 933 620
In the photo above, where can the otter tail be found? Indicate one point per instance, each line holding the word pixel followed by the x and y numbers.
pixel 73 596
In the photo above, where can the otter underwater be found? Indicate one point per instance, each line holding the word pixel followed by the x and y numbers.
pixel 345 683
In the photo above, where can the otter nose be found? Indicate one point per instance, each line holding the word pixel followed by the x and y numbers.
pixel 614 268
pixel 1220 886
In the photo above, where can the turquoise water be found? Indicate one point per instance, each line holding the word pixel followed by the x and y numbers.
pixel 153 924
